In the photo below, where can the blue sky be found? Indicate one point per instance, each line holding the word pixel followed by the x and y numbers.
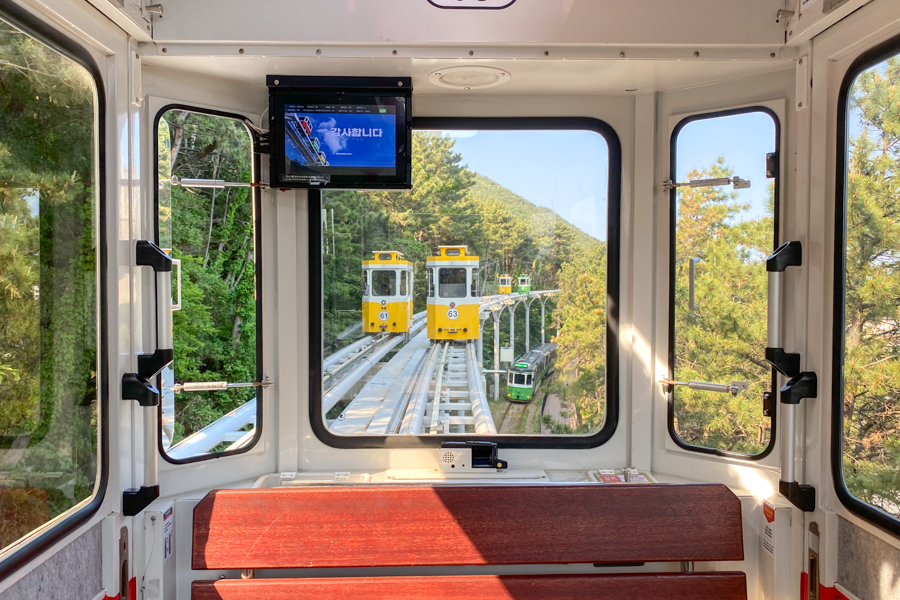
pixel 567 171
pixel 744 140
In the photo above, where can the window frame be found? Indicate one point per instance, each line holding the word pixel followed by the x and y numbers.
pixel 868 59
pixel 673 218
pixel 257 257
pixel 33 544
pixel 613 240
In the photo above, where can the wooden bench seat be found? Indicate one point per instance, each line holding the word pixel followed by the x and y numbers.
pixel 399 526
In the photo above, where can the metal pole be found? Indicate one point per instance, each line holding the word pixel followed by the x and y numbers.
pixel 527 325
pixel 773 330
pixel 543 301
pixel 496 315
pixel 789 416
pixel 512 327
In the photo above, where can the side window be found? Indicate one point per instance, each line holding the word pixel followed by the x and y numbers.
pixel 49 354
pixel 207 222
pixel 404 283
pixel 478 211
pixel 867 326
pixel 722 231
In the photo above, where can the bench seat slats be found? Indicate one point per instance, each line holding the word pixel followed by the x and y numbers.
pixel 432 526
pixel 653 586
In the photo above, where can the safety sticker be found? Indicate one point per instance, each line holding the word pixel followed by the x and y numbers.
pixel 168 528
pixel 768 541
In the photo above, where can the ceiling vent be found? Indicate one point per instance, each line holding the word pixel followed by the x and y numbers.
pixel 469 77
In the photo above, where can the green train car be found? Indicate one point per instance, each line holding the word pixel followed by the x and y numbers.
pixel 528 371
pixel 523 285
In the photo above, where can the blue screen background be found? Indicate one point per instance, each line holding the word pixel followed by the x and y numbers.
pixel 345 140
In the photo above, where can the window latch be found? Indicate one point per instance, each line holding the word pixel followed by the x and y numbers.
pixel 734 388
pixel 217 386
pixel 739 184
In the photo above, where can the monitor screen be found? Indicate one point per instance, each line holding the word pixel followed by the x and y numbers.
pixel 340 139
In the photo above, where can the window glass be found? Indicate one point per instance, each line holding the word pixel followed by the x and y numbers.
pixel 452 283
pixel 211 231
pixel 365 283
pixel 520 379
pixel 49 413
pixel 479 190
pixel 404 283
pixel 722 236
pixel 384 283
pixel 871 325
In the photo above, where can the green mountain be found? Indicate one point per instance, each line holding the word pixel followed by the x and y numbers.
pixel 484 188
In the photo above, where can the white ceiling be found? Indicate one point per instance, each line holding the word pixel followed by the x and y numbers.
pixel 608 77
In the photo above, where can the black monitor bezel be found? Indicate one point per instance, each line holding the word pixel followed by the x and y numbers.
pixel 287 89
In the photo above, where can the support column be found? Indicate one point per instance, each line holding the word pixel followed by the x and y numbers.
pixel 496 314
pixel 543 302
pixel 480 346
pixel 528 324
pixel 512 327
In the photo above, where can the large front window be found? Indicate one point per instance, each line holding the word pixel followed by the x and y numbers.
pixel 480 207
pixel 384 283
pixel 452 283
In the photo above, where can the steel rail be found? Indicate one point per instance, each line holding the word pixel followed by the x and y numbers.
pixel 334 394
pixel 436 402
pixel 481 411
pixel 412 420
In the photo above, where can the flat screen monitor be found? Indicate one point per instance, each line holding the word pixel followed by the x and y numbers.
pixel 340 133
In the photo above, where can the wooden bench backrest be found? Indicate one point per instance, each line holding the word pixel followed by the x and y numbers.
pixel 641 586
pixel 431 526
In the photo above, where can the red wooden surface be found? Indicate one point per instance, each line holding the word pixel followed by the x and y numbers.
pixel 428 526
pixel 654 586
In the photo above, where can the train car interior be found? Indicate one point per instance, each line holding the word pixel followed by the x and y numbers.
pixel 500 299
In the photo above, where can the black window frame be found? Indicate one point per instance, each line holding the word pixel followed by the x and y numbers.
pixel 614 200
pixel 256 195
pixel 863 62
pixel 673 219
pixel 33 547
